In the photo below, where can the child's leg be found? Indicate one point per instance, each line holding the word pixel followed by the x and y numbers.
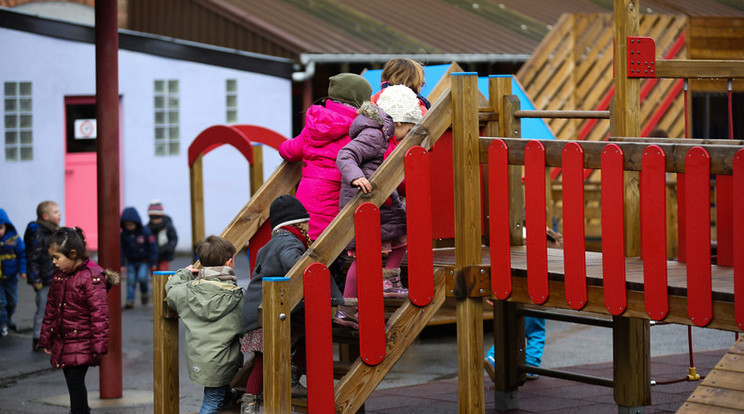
pixel 254 386
pixel 534 329
pixel 395 257
pixel 143 271
pixel 213 399
pixel 75 377
pixel 350 288
pixel 131 281
pixel 41 300
pixel 4 317
pixel 12 298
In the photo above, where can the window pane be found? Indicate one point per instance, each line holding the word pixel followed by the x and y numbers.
pixel 26 137
pixel 173 132
pixel 11 121
pixel 159 86
pixel 172 102
pixel 27 153
pixel 159 133
pixel 11 105
pixel 159 102
pixel 25 121
pixel 25 89
pixel 232 101
pixel 232 115
pixel 11 137
pixel 232 85
pixel 173 86
pixel 173 117
pixel 11 89
pixel 173 146
pixel 159 148
pixel 25 105
pixel 11 154
pixel 159 117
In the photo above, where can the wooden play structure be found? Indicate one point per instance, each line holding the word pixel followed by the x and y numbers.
pixel 627 284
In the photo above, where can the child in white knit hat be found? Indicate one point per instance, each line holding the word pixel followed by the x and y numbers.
pixel 396 113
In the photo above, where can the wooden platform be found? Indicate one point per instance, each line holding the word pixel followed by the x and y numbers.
pixel 722 390
pixel 722 284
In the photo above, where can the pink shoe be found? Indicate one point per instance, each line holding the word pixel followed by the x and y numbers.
pixel 391 284
pixel 347 315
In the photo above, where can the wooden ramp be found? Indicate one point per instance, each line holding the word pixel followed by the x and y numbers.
pixel 722 391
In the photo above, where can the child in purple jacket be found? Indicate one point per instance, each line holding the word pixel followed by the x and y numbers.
pixel 396 113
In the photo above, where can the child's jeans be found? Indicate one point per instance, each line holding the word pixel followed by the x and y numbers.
pixel 213 399
pixel 41 300
pixel 137 272
pixel 8 300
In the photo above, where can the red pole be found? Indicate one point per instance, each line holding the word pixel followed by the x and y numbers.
pixel 107 104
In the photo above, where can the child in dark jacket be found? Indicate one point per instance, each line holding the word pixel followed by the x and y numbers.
pixel 139 254
pixel 39 262
pixel 161 226
pixel 75 330
pixel 396 114
pixel 289 240
pixel 12 264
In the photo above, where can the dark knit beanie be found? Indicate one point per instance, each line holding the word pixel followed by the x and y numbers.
pixel 286 210
pixel 349 88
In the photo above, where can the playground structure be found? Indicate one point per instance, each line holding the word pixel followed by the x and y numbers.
pixel 489 200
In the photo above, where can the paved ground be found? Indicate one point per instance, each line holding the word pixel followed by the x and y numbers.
pixel 424 381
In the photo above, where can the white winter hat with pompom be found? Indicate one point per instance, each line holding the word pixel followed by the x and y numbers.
pixel 401 103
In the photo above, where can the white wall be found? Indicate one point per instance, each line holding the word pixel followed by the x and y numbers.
pixel 59 68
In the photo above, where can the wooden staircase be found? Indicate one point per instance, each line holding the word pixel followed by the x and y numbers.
pixel 722 391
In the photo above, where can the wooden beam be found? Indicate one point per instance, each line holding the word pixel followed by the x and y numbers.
pixel 721 156
pixel 165 351
pixel 631 353
pixel 699 68
pixel 196 183
pixel 467 239
pixel 256 169
pixel 277 349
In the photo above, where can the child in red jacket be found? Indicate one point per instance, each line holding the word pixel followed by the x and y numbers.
pixel 75 330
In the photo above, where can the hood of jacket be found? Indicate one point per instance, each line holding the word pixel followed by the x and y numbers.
pixel 10 229
pixel 372 116
pixel 328 123
pixel 211 298
pixel 130 214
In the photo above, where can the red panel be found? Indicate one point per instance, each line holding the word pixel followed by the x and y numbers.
pixel 738 223
pixel 613 230
pixel 574 259
pixel 641 57
pixel 418 204
pixel 699 302
pixel 369 281
pixel 537 239
pixel 681 218
pixel 443 197
pixel 498 196
pixel 724 218
pixel 262 236
pixel 653 232
pixel 319 346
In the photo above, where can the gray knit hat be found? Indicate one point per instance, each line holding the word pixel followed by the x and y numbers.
pixel 401 103
pixel 349 88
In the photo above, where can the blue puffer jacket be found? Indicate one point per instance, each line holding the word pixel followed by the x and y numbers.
pixel 12 251
pixel 138 245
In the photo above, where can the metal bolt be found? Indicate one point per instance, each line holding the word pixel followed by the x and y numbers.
pixel 282 316
pixel 483 270
pixel 452 272
pixel 480 291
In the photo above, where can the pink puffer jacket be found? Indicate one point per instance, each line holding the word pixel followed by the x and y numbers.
pixel 76 322
pixel 326 132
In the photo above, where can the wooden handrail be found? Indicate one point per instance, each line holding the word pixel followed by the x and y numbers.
pixel 699 68
pixel 570 114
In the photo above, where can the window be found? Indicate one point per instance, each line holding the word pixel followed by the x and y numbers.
pixel 18 122
pixel 231 96
pixel 167 131
pixel 710 115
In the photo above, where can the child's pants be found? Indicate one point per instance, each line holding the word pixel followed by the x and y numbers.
pixel 41 301
pixel 137 274
pixel 75 377
pixel 534 330
pixel 8 300
pixel 213 399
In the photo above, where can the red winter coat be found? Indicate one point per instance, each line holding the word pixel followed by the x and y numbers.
pixel 76 322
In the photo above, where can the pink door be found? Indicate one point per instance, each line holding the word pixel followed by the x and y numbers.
pixel 81 205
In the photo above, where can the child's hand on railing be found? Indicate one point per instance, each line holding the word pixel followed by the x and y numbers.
pixel 363 184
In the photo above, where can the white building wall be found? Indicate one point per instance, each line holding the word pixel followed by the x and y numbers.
pixel 59 68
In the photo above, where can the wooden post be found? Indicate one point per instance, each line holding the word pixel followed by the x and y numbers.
pixel 196 180
pixel 631 337
pixel 513 129
pixel 467 239
pixel 277 349
pixel 165 349
pixel 256 169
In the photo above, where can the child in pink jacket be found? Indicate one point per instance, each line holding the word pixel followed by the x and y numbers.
pixel 326 132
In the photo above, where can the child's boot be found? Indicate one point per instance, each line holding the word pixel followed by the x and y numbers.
pixel 347 315
pixel 298 390
pixel 145 298
pixel 249 404
pixel 391 284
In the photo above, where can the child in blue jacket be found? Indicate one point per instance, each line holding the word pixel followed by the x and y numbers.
pixel 139 254
pixel 12 263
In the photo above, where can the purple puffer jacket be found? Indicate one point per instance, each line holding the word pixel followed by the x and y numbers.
pixel 326 132
pixel 370 134
pixel 76 322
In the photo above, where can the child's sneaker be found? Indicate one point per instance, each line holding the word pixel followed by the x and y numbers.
pixel 391 284
pixel 129 305
pixel 490 365
pixel 531 376
pixel 145 298
pixel 347 315
pixel 4 330
pixel 249 404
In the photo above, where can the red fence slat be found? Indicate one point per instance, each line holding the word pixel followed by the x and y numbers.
pixel 653 232
pixel 418 204
pixel 738 223
pixel 316 283
pixel 498 196
pixel 613 230
pixel 574 257
pixel 369 282
pixel 537 249
pixel 699 295
pixel 724 217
